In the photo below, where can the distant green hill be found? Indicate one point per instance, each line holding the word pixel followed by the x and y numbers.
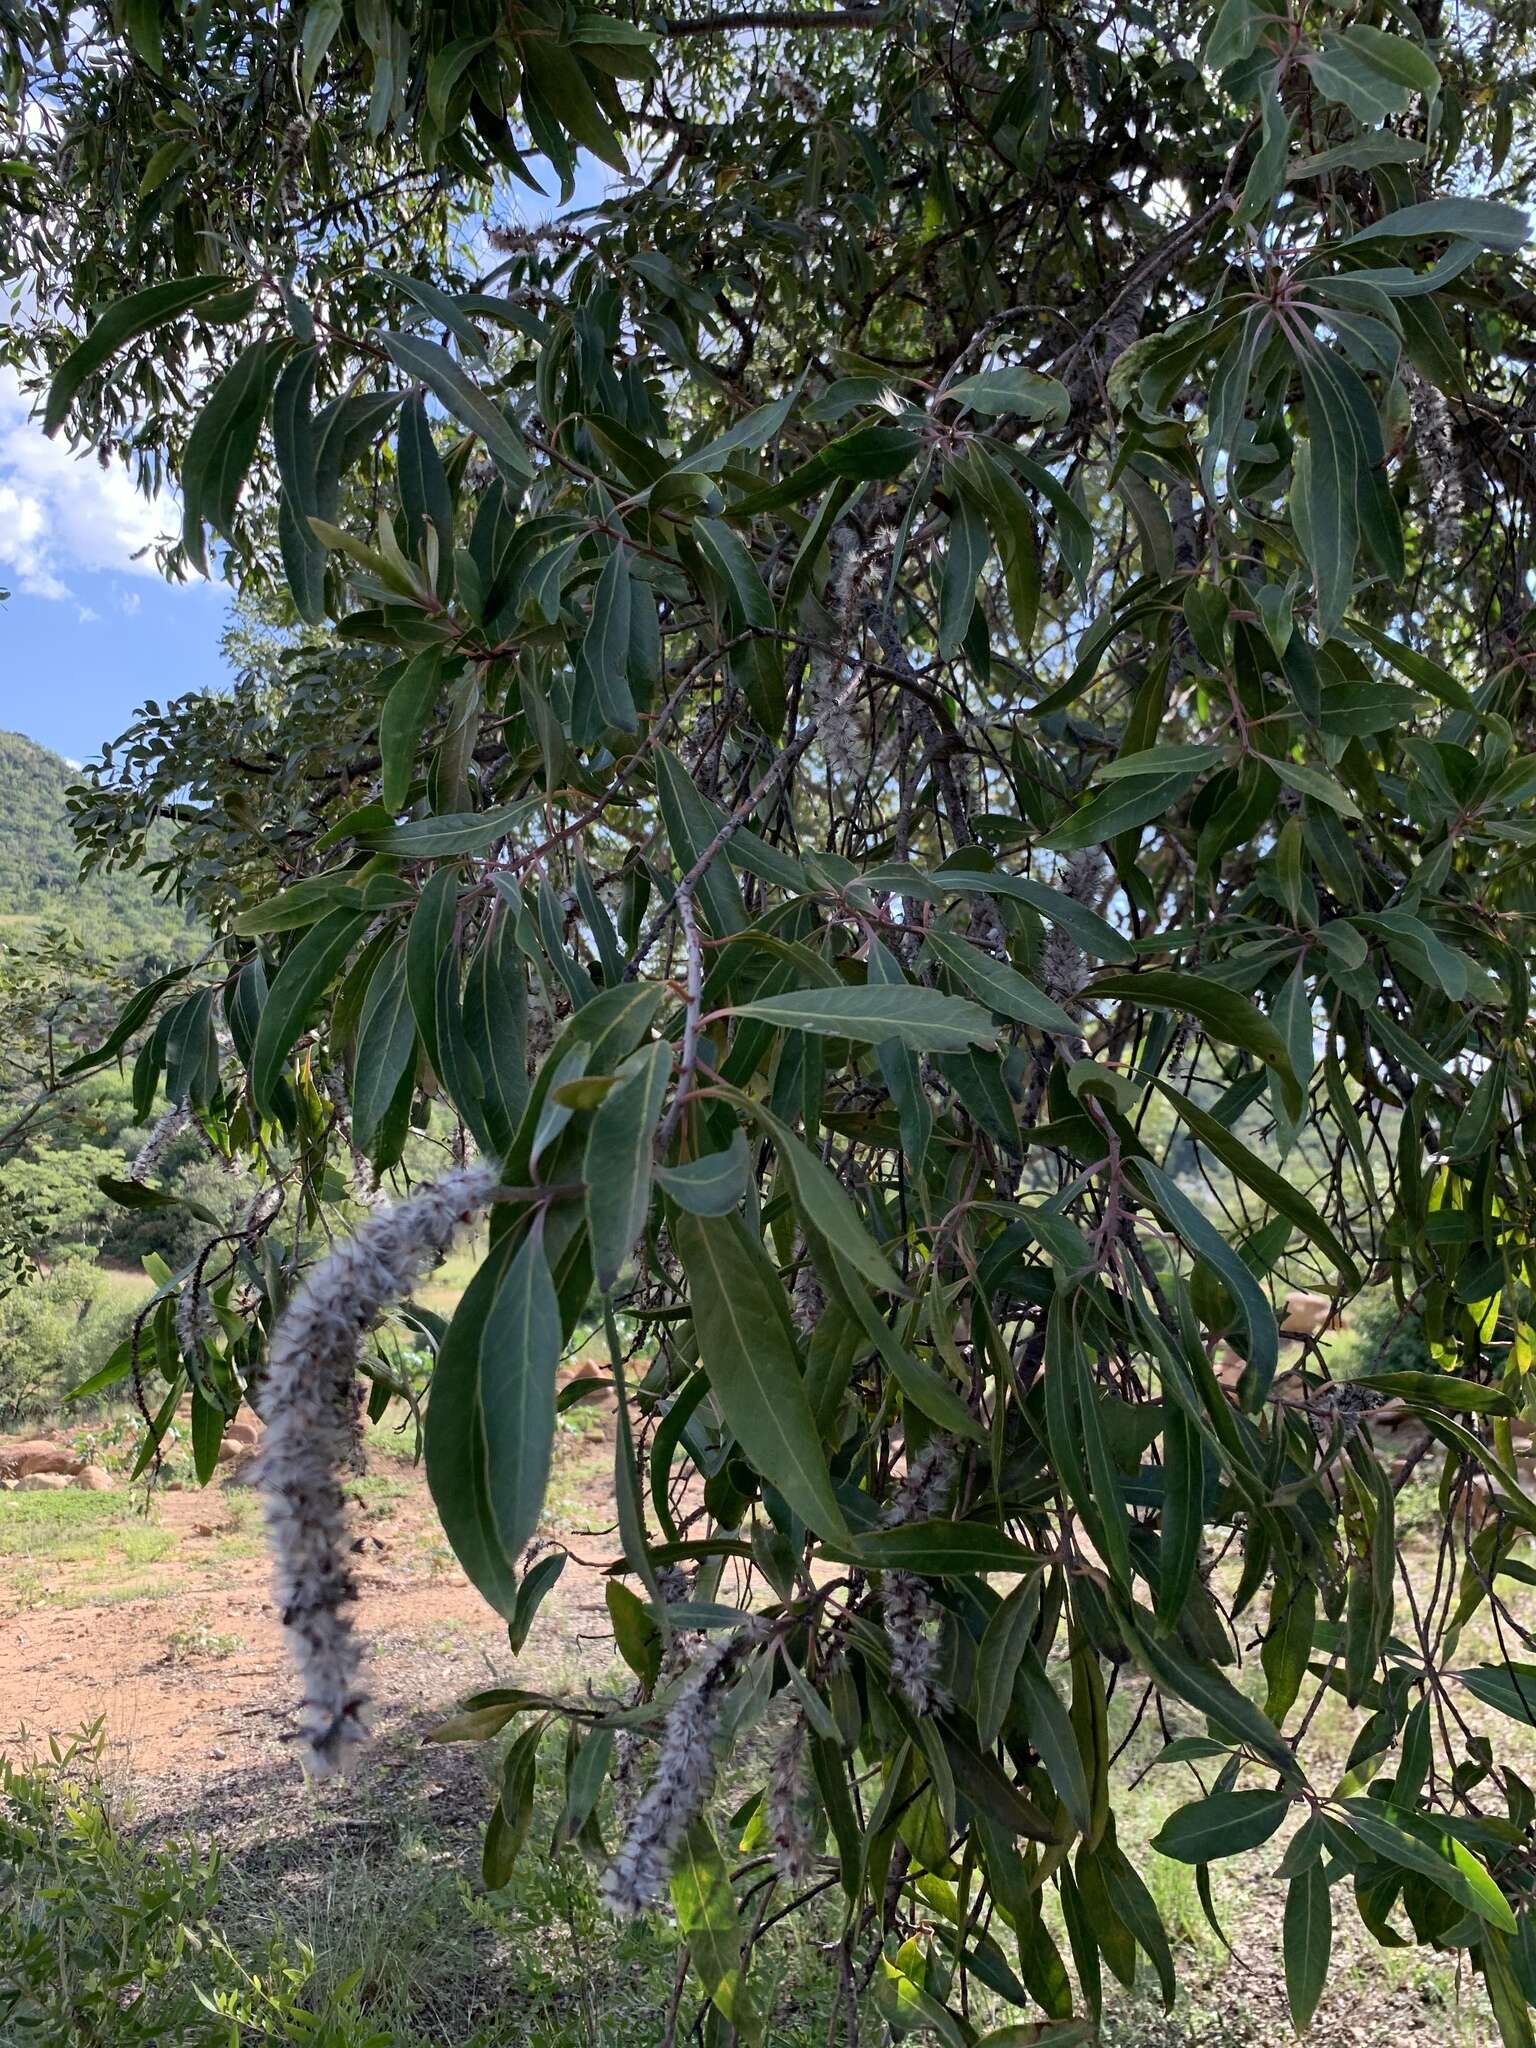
pixel 116 916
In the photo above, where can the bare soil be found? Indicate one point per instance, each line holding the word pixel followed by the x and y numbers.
pixel 191 1676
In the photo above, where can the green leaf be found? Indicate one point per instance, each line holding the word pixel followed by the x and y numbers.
pixel 964 559
pixel 428 946
pixel 1271 1187
pixel 1093 933
pixel 1349 77
pixel 1460 1875
pixel 434 367
pixel 1227 1016
pixel 713 1185
pixel 1014 389
pixel 120 323
pixel 304 903
pixel 513 1816
pixel 1307 1939
pixel 1123 807
pixel 495 1017
pixel 403 720
pixel 222 445
pixel 1488 222
pixel 1049 1727
pixel 1225 1824
pixel 707 1921
pixel 537 1581
pixel 605 650
pixel 520 1348
pixel 1159 761
pixel 760 664
pixel 741 1320
pixel 1208 1245
pixel 691 827
pixel 919 1017
pixel 425 496
pixel 495 1353
pixel 825 1207
pixel 1417 667
pixel 755 431
pixel 866 454
pixel 1325 497
pixel 1312 782
pixel 938 1550
pixel 998 984
pixel 453 833
pixel 442 308
pixel 1507 1688
pixel 1003 1644
pixel 306 973
pixel 617 1164
pixel 1204 1688
pixel 386 1046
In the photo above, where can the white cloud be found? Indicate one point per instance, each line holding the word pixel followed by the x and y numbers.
pixel 62 513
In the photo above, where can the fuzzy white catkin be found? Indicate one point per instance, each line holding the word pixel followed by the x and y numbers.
pixel 1434 439
pixel 684 1778
pixel 1063 970
pixel 307 1403
pixel 161 1131
pixel 909 1617
pixel 786 1807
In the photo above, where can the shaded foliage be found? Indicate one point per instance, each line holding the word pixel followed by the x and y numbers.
pixel 921 723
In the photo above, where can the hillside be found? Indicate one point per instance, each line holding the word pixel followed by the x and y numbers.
pixel 116 915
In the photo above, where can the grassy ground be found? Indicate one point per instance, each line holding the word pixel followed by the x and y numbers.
pixel 365 1900
pixel 375 1889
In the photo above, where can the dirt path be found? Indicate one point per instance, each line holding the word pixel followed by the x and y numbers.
pixel 157 1616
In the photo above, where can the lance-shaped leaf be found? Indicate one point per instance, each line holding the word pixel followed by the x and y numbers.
pixel 919 1017
pixel 1307 1940
pixel 1225 1015
pixel 1271 1187
pixel 491 1416
pixel 825 1207
pixel 1093 933
pixel 998 984
pixel 937 1550
pixel 1013 389
pixel 747 1347
pixel 135 315
pixel 707 1920
pixel 222 445
pixel 1122 807
pixel 453 833
pixel 617 1167
pixel 386 1046
pixel 1225 1824
pixel 435 368
pixel 294 996
pixel 605 650
pixel 1208 1245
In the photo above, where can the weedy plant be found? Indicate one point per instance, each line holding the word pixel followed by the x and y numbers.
pixel 917 727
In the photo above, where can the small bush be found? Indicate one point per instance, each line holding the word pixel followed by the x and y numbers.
pixel 55 1330
pixel 107 1940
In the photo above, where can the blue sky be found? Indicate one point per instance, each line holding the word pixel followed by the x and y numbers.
pixel 90 630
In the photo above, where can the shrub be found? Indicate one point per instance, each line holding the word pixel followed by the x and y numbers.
pixel 56 1328
pixel 108 1940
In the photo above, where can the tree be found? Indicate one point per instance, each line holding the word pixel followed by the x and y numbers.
pixel 920 720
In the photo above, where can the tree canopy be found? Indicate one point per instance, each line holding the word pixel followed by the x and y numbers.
pixel 917 726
